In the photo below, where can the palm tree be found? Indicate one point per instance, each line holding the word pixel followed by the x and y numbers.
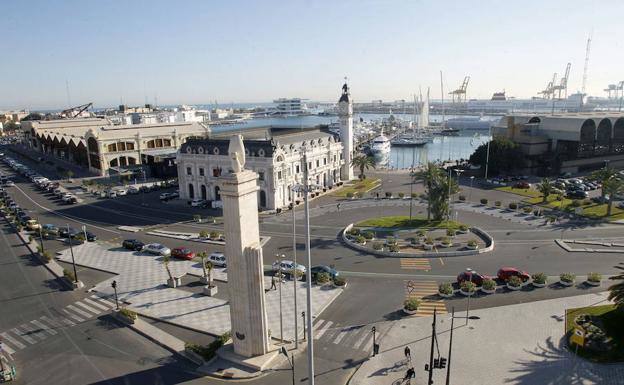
pixel 616 291
pixel 602 176
pixel 165 261
pixel 429 177
pixel 209 266
pixel 203 256
pixel 546 188
pixel 363 162
pixel 613 187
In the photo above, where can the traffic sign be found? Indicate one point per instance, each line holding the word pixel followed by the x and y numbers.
pixel 578 337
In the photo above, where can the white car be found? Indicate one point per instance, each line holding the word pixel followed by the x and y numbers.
pixel 9 183
pixel 133 190
pixel 157 248
pixel 121 192
pixel 287 267
pixel 218 259
pixel 197 202
pixel 111 194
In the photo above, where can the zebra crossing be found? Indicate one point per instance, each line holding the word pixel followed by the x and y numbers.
pixel 37 330
pixel 424 290
pixel 356 337
pixel 415 264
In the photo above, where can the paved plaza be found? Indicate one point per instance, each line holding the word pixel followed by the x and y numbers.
pixel 141 284
pixel 518 344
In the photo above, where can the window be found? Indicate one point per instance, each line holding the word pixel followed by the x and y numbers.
pixel 129 146
pixel 201 171
pixel 334 158
pixel 121 146
pixel 340 156
pixel 216 172
pixel 166 142
pixel 261 175
pixel 159 143
pixel 309 165
pixel 112 147
pixel 279 175
pixel 324 161
pixel 318 163
pixel 297 169
pixel 189 171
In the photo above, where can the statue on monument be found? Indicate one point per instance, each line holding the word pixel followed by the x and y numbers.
pixel 237 153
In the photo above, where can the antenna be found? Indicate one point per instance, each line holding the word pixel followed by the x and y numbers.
pixel 68 96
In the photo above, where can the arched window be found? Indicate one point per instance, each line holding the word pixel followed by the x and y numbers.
pixel 203 191
pixel 603 137
pixel 129 146
pixel 114 162
pixel 191 191
pixel 167 142
pixel 92 145
pixel 587 138
pixel 263 199
pixel 150 144
pixel 131 160
pixel 618 136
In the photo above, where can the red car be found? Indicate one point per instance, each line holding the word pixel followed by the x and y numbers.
pixel 182 253
pixel 471 275
pixel 504 273
pixel 523 185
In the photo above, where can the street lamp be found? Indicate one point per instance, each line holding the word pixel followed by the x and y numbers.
pixel 487 156
pixel 280 259
pixel 448 367
pixel 472 272
pixel 71 250
pixel 114 286
pixel 294 227
pixel 470 194
pixel 291 361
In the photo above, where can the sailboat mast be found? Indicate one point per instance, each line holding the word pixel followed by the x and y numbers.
pixel 442 92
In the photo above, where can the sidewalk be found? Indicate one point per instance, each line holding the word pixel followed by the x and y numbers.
pixel 517 344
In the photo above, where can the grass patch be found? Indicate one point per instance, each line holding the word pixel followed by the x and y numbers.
pixel 360 186
pixel 397 222
pixel 520 191
pixel 612 321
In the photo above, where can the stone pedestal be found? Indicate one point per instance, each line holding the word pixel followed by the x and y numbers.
pixel 245 263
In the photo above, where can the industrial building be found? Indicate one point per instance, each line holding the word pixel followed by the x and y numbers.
pixel 570 142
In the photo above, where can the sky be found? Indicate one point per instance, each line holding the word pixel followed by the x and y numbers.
pixel 195 52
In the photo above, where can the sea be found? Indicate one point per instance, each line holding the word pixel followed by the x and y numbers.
pixel 442 148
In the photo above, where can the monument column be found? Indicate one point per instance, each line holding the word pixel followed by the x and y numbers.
pixel 239 193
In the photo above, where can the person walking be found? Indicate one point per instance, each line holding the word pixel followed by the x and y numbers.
pixel 409 375
pixel 273 281
pixel 408 353
pixel 338 206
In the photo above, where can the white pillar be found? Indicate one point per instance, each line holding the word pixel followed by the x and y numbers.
pixel 345 113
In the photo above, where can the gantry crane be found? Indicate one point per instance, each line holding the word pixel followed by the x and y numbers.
pixel 611 90
pixel 459 95
pixel 75 111
pixel 563 84
pixel 549 91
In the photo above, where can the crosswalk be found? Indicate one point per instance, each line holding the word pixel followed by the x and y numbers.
pixel 32 332
pixel 415 264
pixel 424 290
pixel 357 337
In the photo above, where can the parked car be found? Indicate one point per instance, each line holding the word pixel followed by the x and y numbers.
pixel 157 248
pixel 333 273
pixel 471 275
pixel 288 267
pixel 50 229
pixel 121 192
pixel 621 205
pixel 197 202
pixel 133 244
pixel 111 194
pixel 504 273
pixel 133 190
pixel 577 194
pixel 218 259
pixel 24 219
pixel 182 253
pixel 9 183
pixel 33 225
pixel 91 237
pixel 165 196
pixel 65 232
pixel 523 185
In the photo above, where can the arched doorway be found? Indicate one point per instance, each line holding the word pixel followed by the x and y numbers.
pixel 603 137
pixel 114 162
pixel 217 193
pixel 203 191
pixel 587 138
pixel 618 136
pixel 263 199
pixel 191 191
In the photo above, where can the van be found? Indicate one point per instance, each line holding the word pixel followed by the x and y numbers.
pixel 218 259
pixel 111 194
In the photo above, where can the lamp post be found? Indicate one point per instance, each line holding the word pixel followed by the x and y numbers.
pixel 280 258
pixel 41 236
pixel 71 250
pixel 294 227
pixel 114 286
pixel 291 361
pixel 470 194
pixel 469 270
pixel 448 366
pixel 487 156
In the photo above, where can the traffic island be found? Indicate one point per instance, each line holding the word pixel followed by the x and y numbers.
pixel 595 333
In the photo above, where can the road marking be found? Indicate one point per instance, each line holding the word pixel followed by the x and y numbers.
pixel 35 332
pixel 364 337
pixel 415 264
pixel 51 322
pixel 77 310
pixel 317 324
pixel 341 335
pixel 68 322
pixel 424 290
pixel 88 308
pixel 441 261
pixel 7 348
pixel 103 301
pixel 96 304
pixel 43 327
pixel 73 316
pixel 26 337
pixel 322 330
pixel 13 341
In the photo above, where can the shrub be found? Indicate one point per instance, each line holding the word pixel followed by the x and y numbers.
pixel 368 235
pixel 513 206
pixel 340 281
pixel 450 232
pixel 354 231
pixel 594 277
pixel 322 277
pixel 349 195
pixel 360 239
pixel 527 210
pixel 497 203
pixel 128 313
pixel 214 235
pixel 411 304
pixel 446 240
pixel 468 287
pixel 401 195
pixel 539 278
pixel 413 241
pixel 208 352
pixel 484 201
pixel 567 277
pixel 395 248
pixel 388 194
pixel 463 228
pixel 414 195
pixel 514 281
pixel 445 288
pixel 46 256
pixel 429 240
pixel 391 241
pixel 377 246
pixel 462 197
pixel 30 238
pixel 196 217
pixel 359 195
pixel 489 284
pixel 472 243
pixel 69 275
pixel 421 233
pixel 204 234
pixel 575 203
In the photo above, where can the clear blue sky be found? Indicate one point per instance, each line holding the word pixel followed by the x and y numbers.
pixel 255 51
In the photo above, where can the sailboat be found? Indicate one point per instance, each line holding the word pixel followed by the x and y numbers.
pixel 417 137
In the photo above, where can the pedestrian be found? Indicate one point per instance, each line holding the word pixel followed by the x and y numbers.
pixel 409 375
pixel 273 280
pixel 408 353
pixel 338 206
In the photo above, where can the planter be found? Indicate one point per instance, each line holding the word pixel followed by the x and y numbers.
pixel 409 312
pixel 538 285
pixel 488 291
pixel 472 247
pixel 210 291
pixel 77 285
pixel 124 318
pixel 513 288
pixel 466 293
pixel 203 280
pixel 566 283
pixel 173 283
pixel 445 245
pixel 593 283
pixel 428 246
pixel 443 295
pixel 341 286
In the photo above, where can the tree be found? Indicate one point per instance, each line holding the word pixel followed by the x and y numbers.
pixel 505 155
pixel 616 291
pixel 613 187
pixel 546 188
pixel 443 188
pixel 165 261
pixel 363 162
pixel 69 174
pixel 428 176
pixel 209 266
pixel 602 176
pixel 203 256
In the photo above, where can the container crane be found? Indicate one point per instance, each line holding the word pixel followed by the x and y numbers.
pixel 75 111
pixel 611 90
pixel 563 84
pixel 549 91
pixel 459 95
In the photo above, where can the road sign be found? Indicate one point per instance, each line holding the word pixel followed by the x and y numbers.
pixel 578 337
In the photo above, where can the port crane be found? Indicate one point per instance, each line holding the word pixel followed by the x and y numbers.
pixel 563 84
pixel 75 111
pixel 459 95
pixel 612 91
pixel 549 91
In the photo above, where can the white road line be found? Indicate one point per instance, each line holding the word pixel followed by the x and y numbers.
pixel 368 345
pixel 103 301
pixel 68 322
pixel 26 338
pixel 88 308
pixel 317 324
pixel 341 335
pixel 13 341
pixel 51 322
pixel 365 336
pixel 33 331
pixel 77 310
pixel 43 327
pixel 73 316
pixel 96 304
pixel 322 330
pixel 7 348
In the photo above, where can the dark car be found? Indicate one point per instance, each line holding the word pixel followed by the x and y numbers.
pixel 24 219
pixel 523 185
pixel 577 194
pixel 65 232
pixel 133 244
pixel 324 269
pixel 91 237
pixel 504 273
pixel 182 253
pixel 471 275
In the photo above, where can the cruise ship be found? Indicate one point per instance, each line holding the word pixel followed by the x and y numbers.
pixel 289 107
pixel 381 144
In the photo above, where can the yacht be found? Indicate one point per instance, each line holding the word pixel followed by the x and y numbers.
pixel 381 144
pixel 411 139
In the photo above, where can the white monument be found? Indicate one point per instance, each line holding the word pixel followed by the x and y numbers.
pixel 239 193
pixel 345 113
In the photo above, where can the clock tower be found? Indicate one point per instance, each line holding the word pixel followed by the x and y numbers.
pixel 345 114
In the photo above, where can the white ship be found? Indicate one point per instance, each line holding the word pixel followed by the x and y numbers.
pixel 381 144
